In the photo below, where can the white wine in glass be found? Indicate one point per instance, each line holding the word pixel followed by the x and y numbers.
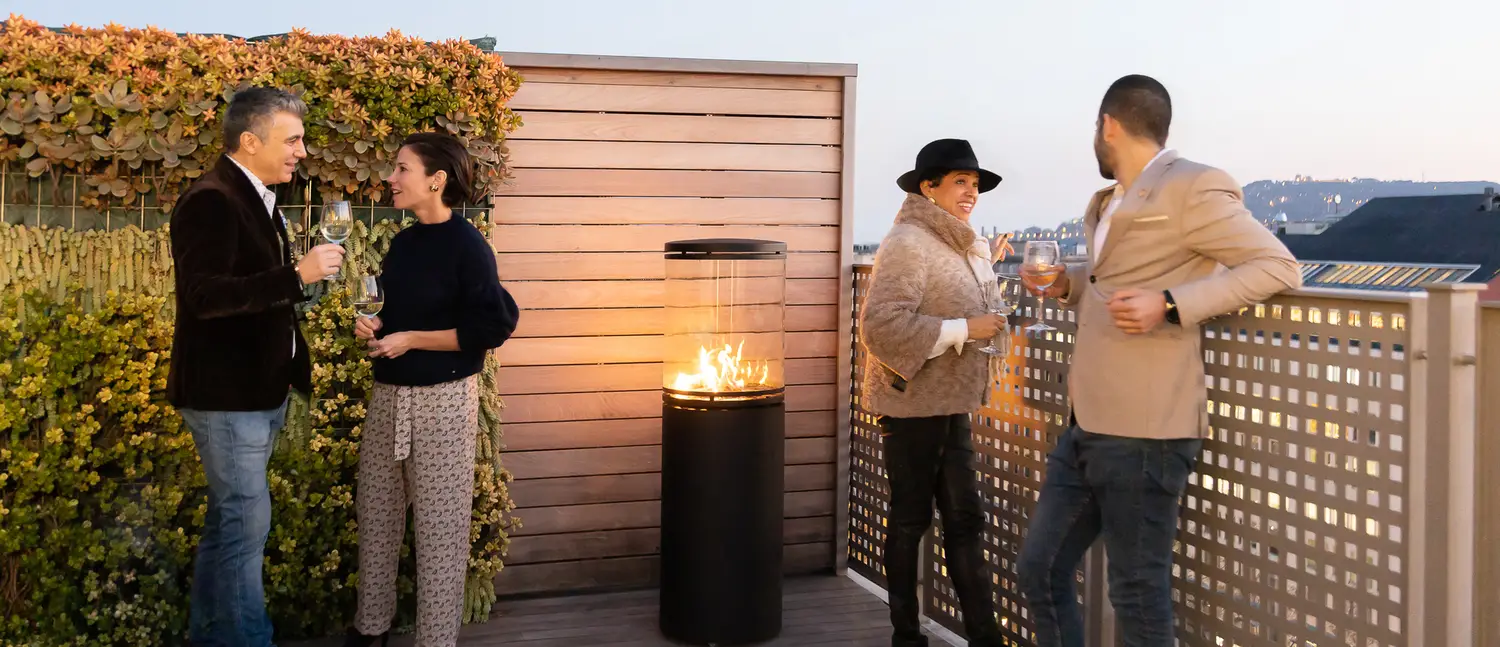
pixel 367 297
pixel 1040 268
pixel 336 224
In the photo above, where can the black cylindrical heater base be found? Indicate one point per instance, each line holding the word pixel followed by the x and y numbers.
pixel 721 522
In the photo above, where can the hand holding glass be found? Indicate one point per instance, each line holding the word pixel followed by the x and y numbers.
pixel 1040 268
pixel 336 224
pixel 1003 309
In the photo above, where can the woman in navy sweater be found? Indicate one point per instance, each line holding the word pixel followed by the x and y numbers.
pixel 444 309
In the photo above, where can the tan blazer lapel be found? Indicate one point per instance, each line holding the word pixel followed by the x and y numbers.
pixel 1130 205
pixel 1091 218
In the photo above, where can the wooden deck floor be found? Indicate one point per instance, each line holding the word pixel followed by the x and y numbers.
pixel 819 610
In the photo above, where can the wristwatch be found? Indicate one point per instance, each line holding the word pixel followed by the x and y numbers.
pixel 1173 316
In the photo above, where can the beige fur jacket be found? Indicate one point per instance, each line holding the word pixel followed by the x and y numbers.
pixel 931 267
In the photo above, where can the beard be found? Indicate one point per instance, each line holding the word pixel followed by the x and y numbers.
pixel 1104 156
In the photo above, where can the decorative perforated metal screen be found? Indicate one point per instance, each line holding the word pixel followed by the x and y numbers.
pixel 1293 530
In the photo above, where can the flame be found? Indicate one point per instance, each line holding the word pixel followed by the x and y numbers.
pixel 723 370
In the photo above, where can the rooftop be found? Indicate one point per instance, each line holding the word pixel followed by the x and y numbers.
pixel 1431 231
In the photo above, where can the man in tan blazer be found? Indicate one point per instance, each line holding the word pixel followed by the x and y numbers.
pixel 1170 246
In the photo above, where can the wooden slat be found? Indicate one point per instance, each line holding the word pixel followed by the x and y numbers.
pixel 582 490
pixel 673 79
pixel 590 323
pixel 561 266
pixel 541 153
pixel 587 518
pixel 634 349
pixel 632 572
pixel 822 397
pixel 638 541
pixel 644 459
pixel 584 434
pixel 604 405
pixel 666 184
pixel 843 414
pixel 677 128
pixel 620 488
pixel 810 451
pixel 614 405
pixel 642 321
pixel 810 424
pixel 802 478
pixel 576 97
pixel 807 530
pixel 583 462
pixel 530 380
pixel 553 295
pixel 590 434
pixel 531 60
pixel 584 545
pixel 594 574
pixel 636 238
pixel 624 210
pixel 640 514
pixel 808 504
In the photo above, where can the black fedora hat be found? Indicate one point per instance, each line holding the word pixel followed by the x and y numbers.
pixel 949 155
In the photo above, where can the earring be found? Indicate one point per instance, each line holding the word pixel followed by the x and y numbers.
pixel 433 188
pixel 929 199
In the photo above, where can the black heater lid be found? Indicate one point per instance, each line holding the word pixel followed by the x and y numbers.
pixel 725 249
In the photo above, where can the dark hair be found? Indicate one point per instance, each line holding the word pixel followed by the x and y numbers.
pixel 1141 104
pixel 933 175
pixel 250 109
pixel 443 152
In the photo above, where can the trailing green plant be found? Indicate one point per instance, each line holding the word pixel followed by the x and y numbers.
pixel 92 456
pixel 137 112
pixel 101 492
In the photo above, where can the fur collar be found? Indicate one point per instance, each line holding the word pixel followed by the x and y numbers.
pixel 923 213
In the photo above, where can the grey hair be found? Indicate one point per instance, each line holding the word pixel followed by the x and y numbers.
pixel 250 109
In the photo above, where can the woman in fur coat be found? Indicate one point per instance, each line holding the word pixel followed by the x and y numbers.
pixel 929 308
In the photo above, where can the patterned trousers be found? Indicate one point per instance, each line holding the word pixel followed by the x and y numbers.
pixel 417 449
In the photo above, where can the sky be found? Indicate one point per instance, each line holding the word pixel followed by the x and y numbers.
pixel 1266 89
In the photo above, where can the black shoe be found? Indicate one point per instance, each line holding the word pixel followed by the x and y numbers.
pixel 356 639
pixel 900 641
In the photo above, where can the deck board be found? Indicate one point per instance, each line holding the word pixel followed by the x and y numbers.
pixel 818 610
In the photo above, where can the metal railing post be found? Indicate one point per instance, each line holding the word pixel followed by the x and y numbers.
pixel 1443 427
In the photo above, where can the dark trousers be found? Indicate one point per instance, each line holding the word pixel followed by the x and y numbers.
pixel 927 459
pixel 1126 490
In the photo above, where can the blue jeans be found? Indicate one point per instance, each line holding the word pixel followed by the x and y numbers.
pixel 1128 491
pixel 228 602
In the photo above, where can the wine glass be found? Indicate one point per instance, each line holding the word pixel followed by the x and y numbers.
pixel 1003 309
pixel 337 222
pixel 368 297
pixel 1040 268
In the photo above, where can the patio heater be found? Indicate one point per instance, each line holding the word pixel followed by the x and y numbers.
pixel 722 446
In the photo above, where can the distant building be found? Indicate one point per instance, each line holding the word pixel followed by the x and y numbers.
pixel 1401 243
pixel 1306 228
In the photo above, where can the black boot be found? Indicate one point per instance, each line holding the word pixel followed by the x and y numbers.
pixel 356 639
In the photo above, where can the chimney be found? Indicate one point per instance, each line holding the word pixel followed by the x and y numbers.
pixel 1491 201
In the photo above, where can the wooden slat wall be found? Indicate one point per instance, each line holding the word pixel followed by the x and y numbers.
pixel 609 166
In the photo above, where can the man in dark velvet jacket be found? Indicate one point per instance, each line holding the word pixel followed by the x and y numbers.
pixel 237 351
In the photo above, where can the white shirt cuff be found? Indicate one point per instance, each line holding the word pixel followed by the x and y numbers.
pixel 953 334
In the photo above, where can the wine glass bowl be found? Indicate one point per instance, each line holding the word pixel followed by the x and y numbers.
pixel 1040 268
pixel 336 224
pixel 368 297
